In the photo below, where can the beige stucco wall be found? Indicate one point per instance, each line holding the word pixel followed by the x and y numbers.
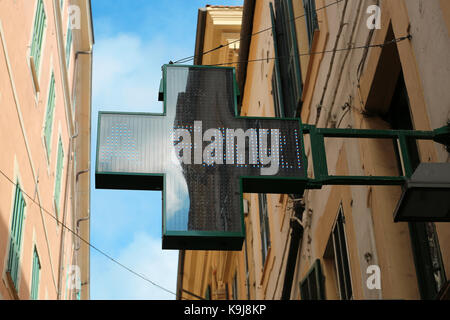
pixel 339 86
pixel 369 223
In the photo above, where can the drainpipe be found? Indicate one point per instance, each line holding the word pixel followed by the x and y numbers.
pixel 84 218
pixel 78 70
pixel 80 172
pixel 78 228
pixel 63 231
pixel 78 241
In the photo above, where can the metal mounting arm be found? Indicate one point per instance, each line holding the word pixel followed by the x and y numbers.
pixel 321 176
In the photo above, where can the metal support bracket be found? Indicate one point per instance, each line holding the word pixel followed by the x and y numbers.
pixel 321 176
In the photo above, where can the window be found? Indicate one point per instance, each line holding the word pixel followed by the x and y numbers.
pixel 208 293
pixel 35 276
pixel 247 273
pixel 15 237
pixel 38 35
pixel 235 287
pixel 264 226
pixel 277 92
pixel 289 86
pixel 310 18
pixel 49 115
pixel 311 287
pixel 336 250
pixel 68 45
pixel 59 169
pixel 425 243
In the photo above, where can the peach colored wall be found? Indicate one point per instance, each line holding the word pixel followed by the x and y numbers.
pixel 24 155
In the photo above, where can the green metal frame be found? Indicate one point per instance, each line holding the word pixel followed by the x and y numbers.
pixel 321 176
pixel 247 183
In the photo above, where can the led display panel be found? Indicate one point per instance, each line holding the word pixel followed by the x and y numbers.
pixel 202 155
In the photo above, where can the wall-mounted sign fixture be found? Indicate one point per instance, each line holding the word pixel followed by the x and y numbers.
pixel 425 195
pixel 202 155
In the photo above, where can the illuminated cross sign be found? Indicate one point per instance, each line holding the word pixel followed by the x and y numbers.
pixel 201 155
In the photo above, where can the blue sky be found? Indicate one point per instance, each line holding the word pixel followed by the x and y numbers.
pixel 133 39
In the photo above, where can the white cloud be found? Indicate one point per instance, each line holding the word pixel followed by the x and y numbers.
pixel 127 72
pixel 143 255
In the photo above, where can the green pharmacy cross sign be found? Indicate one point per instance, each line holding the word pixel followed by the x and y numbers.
pixel 202 155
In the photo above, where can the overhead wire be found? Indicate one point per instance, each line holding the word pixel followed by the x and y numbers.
pixel 379 45
pixel 87 242
pixel 186 59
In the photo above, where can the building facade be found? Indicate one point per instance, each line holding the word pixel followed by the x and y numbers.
pixel 338 64
pixel 45 94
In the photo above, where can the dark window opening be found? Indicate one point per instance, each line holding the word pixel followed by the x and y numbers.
pixel 312 286
pixel 264 226
pixel 310 18
pixel 425 244
pixel 276 90
pixel 336 251
pixel 234 291
pixel 208 293
pixel 289 84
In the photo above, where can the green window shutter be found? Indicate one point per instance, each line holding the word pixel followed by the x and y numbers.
pixel 294 58
pixel 15 238
pixel 276 77
pixel 288 57
pixel 38 34
pixel 312 286
pixel 49 114
pixel 59 168
pixel 208 293
pixel 68 45
pixel 310 18
pixel 264 226
pixel 35 276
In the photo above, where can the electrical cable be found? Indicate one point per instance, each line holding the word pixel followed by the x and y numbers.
pixel 184 60
pixel 87 242
pixel 379 45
